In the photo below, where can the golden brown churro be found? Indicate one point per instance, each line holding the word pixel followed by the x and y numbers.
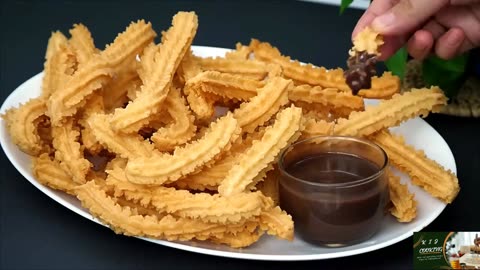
pixel 158 142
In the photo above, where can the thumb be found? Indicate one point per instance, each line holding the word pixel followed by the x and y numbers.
pixel 406 15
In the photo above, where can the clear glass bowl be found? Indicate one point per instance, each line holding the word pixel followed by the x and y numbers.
pixel 335 188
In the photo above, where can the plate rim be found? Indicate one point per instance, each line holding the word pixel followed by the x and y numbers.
pixel 202 250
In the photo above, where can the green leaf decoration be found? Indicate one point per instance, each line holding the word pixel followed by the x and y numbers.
pixel 446 74
pixel 344 5
pixel 397 63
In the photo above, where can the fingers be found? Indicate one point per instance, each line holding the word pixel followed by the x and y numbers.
pixel 435 28
pixel 406 15
pixel 463 17
pixel 375 9
pixel 420 44
pixel 398 19
pixel 450 44
pixel 446 44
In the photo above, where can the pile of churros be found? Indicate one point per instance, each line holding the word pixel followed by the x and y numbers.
pixel 157 142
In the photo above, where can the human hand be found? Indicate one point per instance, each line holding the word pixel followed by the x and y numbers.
pixel 444 27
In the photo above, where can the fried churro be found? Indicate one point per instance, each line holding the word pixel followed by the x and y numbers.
pixel 158 142
pixel 424 172
pixel 155 89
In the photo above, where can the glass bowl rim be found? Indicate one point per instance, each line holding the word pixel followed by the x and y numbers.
pixel 358 182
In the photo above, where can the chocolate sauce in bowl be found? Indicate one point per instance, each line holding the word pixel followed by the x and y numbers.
pixel 345 208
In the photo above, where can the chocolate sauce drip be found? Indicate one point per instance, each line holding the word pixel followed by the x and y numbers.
pixel 361 69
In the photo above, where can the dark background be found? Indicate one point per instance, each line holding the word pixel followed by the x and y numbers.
pixel 38 233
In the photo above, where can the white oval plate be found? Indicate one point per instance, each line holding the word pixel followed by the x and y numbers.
pixel 416 132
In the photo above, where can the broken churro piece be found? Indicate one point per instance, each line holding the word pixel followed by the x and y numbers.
pixel 367 41
pixel 404 204
pixel 277 222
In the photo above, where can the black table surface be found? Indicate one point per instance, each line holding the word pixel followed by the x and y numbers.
pixel 38 233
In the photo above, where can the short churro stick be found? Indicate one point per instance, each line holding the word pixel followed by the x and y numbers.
pixel 404 204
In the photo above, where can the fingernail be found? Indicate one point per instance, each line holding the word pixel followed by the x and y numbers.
pixel 383 22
